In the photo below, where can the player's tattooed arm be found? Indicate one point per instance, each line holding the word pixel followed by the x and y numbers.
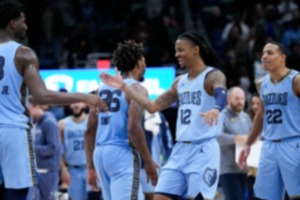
pixel 137 135
pixel 257 121
pixel 296 85
pixel 214 79
pixel 166 99
pixel 162 102
pixel 90 137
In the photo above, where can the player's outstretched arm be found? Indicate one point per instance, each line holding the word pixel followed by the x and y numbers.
pixel 164 101
pixel 89 146
pixel 137 136
pixel 254 133
pixel 90 137
pixel 28 65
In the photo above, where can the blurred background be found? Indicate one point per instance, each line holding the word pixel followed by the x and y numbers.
pixel 80 34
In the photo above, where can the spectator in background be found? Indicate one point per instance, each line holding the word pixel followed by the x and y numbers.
pixel 52 32
pixel 253 106
pixel 47 150
pixel 160 144
pixel 256 14
pixel 237 125
pixel 214 25
pixel 271 24
pixel 293 60
pixel 237 22
pixel 257 41
pixel 285 8
pixel 292 33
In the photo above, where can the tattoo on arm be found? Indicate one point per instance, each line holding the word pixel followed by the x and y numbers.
pixel 162 102
pixel 215 79
pixel 142 100
pixel 166 99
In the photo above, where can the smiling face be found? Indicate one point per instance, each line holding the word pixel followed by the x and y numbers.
pixel 185 52
pixel 272 57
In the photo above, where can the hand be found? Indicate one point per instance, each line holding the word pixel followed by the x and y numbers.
pixel 92 180
pixel 240 139
pixel 113 81
pixel 151 171
pixel 96 103
pixel 210 117
pixel 65 177
pixel 243 156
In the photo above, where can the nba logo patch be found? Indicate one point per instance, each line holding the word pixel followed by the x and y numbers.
pixel 210 176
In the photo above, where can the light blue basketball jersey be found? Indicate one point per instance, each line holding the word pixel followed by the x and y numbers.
pixel 193 100
pixel 281 105
pixel 112 125
pixel 74 141
pixel 13 91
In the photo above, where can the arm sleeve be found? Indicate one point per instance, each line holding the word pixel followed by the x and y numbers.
pixel 220 95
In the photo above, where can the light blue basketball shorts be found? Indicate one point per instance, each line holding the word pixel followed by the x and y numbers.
pixel 278 170
pixel 17 160
pixel 118 168
pixel 192 168
pixel 147 187
pixel 78 188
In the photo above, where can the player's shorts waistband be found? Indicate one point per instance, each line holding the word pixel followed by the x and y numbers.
pixel 77 166
pixel 196 141
pixel 280 140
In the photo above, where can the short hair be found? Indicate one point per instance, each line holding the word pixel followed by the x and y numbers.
pixel 207 53
pixel 33 102
pixel 9 10
pixel 230 90
pixel 281 47
pixel 127 55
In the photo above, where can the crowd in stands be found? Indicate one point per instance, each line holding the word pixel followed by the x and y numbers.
pixel 64 32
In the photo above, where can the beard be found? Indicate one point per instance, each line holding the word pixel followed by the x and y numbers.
pixel 236 108
pixel 79 113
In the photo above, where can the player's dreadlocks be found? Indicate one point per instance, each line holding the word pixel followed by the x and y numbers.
pixel 207 53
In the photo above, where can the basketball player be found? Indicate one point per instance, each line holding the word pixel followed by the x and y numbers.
pixel 18 72
pixel 279 164
pixel 160 144
pixel 72 129
pixel 201 93
pixel 120 138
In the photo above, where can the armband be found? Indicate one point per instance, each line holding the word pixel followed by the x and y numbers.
pixel 220 95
